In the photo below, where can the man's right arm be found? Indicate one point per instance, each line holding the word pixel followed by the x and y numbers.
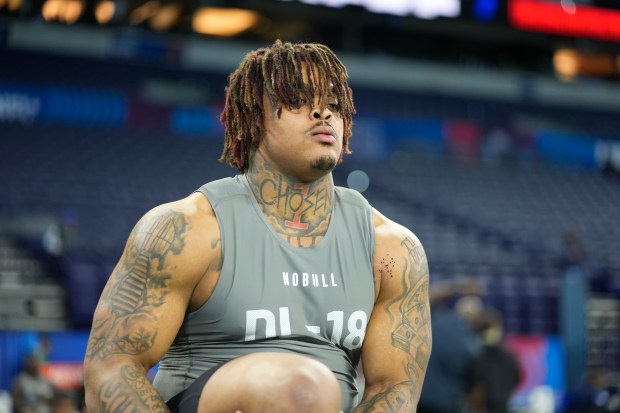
pixel 141 309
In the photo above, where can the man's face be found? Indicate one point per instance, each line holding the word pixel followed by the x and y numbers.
pixel 304 142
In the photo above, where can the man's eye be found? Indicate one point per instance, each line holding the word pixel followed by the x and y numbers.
pixel 298 102
pixel 334 106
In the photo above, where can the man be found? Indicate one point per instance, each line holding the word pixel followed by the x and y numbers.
pixel 32 393
pixel 258 293
pixel 456 315
pixel 496 370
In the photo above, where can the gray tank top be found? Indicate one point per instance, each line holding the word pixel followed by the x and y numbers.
pixel 272 296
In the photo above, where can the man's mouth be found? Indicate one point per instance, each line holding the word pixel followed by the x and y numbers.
pixel 324 134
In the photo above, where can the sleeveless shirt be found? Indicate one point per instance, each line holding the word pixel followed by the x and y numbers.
pixel 273 296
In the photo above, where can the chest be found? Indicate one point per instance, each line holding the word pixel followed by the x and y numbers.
pixel 270 290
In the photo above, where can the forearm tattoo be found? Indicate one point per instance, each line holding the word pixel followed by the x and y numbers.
pixel 131 393
pixel 392 400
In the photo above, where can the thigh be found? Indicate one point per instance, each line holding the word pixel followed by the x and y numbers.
pixel 271 382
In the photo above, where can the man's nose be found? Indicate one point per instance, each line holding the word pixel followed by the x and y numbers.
pixel 321 113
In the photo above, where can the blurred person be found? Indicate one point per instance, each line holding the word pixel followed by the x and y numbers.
pixel 456 312
pixel 496 373
pixel 596 393
pixel 573 250
pixel 32 393
pixel 470 308
pixel 261 292
pixel 64 403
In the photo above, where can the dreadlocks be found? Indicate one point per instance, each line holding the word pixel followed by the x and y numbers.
pixel 278 71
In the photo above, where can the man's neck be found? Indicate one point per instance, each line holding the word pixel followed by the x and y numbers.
pixel 298 211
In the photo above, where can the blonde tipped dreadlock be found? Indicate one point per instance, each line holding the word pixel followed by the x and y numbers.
pixel 277 71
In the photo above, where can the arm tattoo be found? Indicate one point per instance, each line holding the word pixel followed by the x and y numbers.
pixel 132 393
pixel 413 333
pixel 141 284
pixel 413 315
pixel 392 400
pixel 410 317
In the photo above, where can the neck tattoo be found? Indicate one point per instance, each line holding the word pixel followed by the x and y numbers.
pixel 295 209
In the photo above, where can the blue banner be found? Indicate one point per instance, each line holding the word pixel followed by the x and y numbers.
pixel 26 104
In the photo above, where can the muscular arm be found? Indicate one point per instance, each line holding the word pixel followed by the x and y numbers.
pixel 398 340
pixel 140 311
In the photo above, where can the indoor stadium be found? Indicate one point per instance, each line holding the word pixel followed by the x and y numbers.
pixel 490 129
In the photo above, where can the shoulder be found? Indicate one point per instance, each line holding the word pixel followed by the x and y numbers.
pixel 183 230
pixel 399 255
pixel 389 232
pixel 182 216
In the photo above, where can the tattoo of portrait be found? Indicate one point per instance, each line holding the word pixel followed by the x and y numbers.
pixel 132 393
pixel 140 284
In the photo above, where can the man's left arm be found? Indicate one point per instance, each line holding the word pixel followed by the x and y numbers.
pixel 398 339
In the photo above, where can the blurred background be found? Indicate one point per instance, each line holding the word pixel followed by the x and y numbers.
pixel 490 128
